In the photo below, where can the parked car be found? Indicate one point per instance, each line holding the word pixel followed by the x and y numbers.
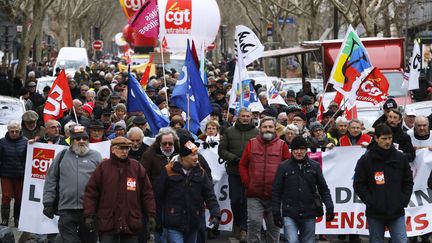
pixel 11 108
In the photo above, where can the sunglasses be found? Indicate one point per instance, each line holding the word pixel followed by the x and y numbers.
pixel 81 138
pixel 167 144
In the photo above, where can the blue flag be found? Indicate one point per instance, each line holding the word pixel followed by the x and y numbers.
pixel 139 101
pixel 190 83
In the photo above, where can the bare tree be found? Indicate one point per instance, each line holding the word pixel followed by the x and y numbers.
pixel 32 12
pixel 363 12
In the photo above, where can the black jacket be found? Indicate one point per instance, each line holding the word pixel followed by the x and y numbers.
pixel 180 197
pixel 383 181
pixel 404 142
pixel 13 156
pixel 381 119
pixel 295 188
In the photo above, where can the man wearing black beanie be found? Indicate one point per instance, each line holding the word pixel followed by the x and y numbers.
pixel 181 191
pixel 298 194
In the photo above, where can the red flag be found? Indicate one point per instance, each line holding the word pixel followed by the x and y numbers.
pixel 320 110
pixel 338 98
pixel 374 88
pixel 195 55
pixel 146 74
pixel 351 114
pixel 164 45
pixel 146 20
pixel 59 99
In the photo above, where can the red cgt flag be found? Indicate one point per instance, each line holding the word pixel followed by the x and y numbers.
pixel 374 88
pixel 59 99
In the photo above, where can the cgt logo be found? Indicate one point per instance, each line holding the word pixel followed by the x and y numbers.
pixel 41 161
pixel 178 17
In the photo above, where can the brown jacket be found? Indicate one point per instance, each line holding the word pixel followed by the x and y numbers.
pixel 119 193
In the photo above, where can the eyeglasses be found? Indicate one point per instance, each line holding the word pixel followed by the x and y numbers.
pixel 53 127
pixel 81 138
pixel 167 144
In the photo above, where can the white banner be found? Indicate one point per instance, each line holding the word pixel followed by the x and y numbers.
pixel 39 158
pixel 220 181
pixel 338 171
pixel 350 211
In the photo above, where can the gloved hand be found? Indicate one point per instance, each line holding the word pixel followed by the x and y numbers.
pixel 277 220
pixel 214 220
pixel 330 216
pixel 90 224
pixel 49 212
pixel 151 224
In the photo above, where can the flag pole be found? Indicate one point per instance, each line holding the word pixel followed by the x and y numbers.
pixel 340 107
pixel 163 71
pixel 76 118
pixel 322 100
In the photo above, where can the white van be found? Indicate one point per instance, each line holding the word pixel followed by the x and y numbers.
pixel 71 58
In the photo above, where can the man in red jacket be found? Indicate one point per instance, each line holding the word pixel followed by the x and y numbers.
pixel 258 166
pixel 119 195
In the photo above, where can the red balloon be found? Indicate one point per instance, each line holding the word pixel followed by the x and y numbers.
pixel 127 33
pixel 139 40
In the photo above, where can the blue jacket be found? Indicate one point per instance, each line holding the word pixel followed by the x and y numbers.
pixel 13 154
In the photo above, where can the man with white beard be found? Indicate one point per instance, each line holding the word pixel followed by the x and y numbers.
pixel 136 135
pixel 65 184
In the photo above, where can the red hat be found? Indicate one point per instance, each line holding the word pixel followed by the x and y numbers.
pixel 88 107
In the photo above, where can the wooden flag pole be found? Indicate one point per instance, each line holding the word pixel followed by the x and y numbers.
pixel 163 71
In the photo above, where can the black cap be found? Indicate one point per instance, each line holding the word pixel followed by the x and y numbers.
pixel 95 124
pixel 390 104
pixel 187 143
pixel 292 108
pixel 290 93
pixel 298 143
pixel 139 120
pixel 269 112
pixel 306 100
pixel 218 91
pixel 301 115
pixel 115 95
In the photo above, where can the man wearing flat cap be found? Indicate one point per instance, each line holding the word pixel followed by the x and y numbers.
pixel 30 128
pixel 64 187
pixel 118 196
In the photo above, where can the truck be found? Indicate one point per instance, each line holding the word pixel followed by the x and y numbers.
pixel 386 54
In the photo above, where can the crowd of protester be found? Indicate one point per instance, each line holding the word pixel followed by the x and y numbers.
pixel 173 180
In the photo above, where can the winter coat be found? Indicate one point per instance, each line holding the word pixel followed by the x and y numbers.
pixel 233 143
pixel 403 141
pixel 295 188
pixel 345 140
pixel 119 194
pixel 13 156
pixel 259 163
pixel 180 197
pixel 69 179
pixel 383 180
pixel 60 140
pixel 37 132
pixel 136 155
